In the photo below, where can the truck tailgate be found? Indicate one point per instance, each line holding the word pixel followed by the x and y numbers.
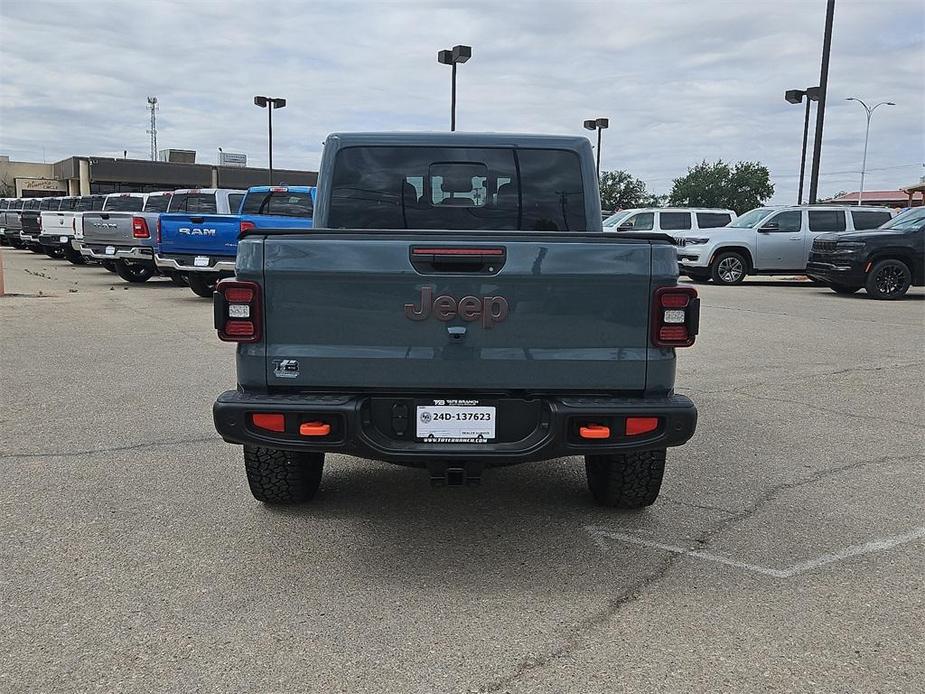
pixel 107 227
pixel 209 234
pixel 566 311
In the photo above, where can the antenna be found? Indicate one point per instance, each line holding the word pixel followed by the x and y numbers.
pixel 152 106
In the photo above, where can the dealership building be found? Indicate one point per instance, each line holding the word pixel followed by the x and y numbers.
pixel 90 175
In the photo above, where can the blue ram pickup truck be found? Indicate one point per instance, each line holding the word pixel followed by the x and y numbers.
pixel 456 306
pixel 277 207
pixel 198 236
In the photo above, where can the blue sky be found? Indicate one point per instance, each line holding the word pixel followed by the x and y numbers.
pixel 680 81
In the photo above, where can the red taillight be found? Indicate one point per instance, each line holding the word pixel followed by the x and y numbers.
pixel 74 225
pixel 269 421
pixel 675 316
pixel 140 228
pixel 40 222
pixel 247 226
pixel 158 229
pixel 640 425
pixel 279 189
pixel 237 311
pixel 456 251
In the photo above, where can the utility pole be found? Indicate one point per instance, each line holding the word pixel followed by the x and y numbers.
pixel 820 109
pixel 152 106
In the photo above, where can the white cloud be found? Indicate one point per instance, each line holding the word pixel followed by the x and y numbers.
pixel 680 81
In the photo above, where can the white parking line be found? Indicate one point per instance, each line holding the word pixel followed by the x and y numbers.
pixel 601 535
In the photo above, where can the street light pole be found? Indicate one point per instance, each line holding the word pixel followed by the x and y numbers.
pixel 452 57
pixel 820 109
pixel 870 112
pixel 795 96
pixel 269 103
pixel 598 124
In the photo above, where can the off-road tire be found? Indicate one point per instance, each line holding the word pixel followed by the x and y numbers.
pixel 200 285
pixel 53 251
pixel 282 477
pixel 108 265
pixel 728 267
pixel 136 274
pixel 625 480
pixel 74 257
pixel 888 279
pixel 178 279
pixel 698 277
pixel 843 289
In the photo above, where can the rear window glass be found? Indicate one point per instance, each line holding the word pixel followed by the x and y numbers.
pixel 49 204
pixel 457 188
pixel 712 220
pixel 234 202
pixel 68 204
pixel 203 203
pixel 124 203
pixel 868 219
pixel 284 204
pixel 671 221
pixel 157 203
pixel 17 204
pixel 32 204
pixel 826 220
pixel 90 203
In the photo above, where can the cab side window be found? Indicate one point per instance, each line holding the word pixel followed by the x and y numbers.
pixel 825 220
pixel 673 221
pixel 786 221
pixel 644 221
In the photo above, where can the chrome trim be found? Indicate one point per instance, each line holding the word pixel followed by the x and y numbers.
pixel 133 253
pixel 171 264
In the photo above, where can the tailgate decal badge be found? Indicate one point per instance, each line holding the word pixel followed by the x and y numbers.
pixel 286 368
pixel 488 309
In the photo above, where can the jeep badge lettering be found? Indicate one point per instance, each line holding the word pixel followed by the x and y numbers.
pixel 489 309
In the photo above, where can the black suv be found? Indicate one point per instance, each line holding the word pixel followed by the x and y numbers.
pixel 885 261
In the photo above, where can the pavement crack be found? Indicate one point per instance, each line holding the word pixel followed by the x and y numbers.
pixel 114 449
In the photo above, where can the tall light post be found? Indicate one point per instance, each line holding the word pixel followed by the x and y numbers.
pixel 598 124
pixel 795 96
pixel 269 103
pixel 820 109
pixel 870 112
pixel 454 56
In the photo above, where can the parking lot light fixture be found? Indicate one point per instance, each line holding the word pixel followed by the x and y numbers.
pixel 452 57
pixel 796 96
pixel 869 110
pixel 270 103
pixel 598 124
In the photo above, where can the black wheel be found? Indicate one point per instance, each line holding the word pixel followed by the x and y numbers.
pixel 109 265
pixel 729 268
pixel 178 279
pixel 136 274
pixel 843 289
pixel 16 243
pixel 282 477
pixel 888 279
pixel 201 286
pixel 36 249
pixel 74 257
pixel 625 480
pixel 53 251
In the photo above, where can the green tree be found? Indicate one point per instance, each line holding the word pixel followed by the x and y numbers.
pixel 740 187
pixel 620 190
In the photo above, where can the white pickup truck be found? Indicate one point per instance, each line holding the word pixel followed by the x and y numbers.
pixel 768 241
pixel 62 229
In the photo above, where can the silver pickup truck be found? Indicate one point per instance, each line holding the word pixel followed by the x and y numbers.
pixel 124 233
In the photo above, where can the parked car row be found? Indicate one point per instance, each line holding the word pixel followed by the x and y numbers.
pixel 189 235
pixel 881 254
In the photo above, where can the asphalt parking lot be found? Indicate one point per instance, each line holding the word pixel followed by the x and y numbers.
pixel 785 553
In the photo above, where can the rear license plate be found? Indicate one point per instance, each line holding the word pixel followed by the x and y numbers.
pixel 110 250
pixel 201 261
pixel 456 421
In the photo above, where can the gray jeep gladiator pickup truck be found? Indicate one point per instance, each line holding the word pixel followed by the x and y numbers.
pixel 457 306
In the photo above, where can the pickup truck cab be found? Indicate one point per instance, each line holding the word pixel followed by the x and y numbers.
pixel 670 220
pixel 768 241
pixel 56 229
pixel 30 224
pixel 885 261
pixel 124 231
pixel 277 207
pixel 11 222
pixel 456 306
pixel 198 236
pixel 85 203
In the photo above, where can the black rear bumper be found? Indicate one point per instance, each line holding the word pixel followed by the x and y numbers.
pixel 531 428
pixel 848 273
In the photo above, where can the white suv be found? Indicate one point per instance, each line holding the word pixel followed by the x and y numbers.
pixel 668 219
pixel 768 241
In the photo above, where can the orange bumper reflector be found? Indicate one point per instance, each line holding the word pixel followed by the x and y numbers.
pixel 594 431
pixel 270 422
pixel 640 425
pixel 314 429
